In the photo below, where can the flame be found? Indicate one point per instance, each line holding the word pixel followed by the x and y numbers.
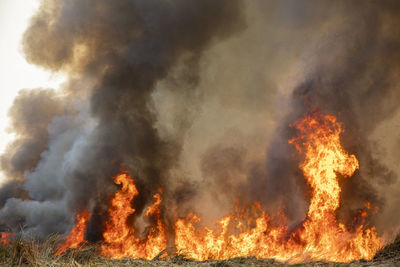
pixel 5 238
pixel 77 234
pixel 320 237
pixel 251 232
pixel 325 158
pixel 262 241
pixel 119 237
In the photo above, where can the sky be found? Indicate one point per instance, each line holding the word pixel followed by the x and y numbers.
pixel 15 72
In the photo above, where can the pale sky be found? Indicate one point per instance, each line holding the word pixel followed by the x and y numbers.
pixel 15 72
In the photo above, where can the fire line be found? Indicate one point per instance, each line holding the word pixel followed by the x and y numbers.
pixel 320 237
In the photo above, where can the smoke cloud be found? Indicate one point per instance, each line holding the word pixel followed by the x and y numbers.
pixel 197 98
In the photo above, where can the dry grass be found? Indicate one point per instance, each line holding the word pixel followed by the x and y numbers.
pixel 32 253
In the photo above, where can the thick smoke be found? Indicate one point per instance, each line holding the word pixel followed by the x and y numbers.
pixel 295 56
pixel 353 74
pixel 64 161
pixel 196 97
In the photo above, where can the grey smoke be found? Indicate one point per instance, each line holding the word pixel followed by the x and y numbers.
pixel 295 56
pixel 123 49
pixel 197 97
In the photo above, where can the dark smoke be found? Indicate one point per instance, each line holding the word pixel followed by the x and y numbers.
pixel 340 57
pixel 123 48
pixel 197 97
pixel 351 72
pixel 358 80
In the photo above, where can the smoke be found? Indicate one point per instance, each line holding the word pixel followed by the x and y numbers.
pixel 354 74
pixel 293 57
pixel 69 147
pixel 196 97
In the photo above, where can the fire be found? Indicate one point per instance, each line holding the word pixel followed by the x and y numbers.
pixel 263 241
pixel 320 237
pixel 325 158
pixel 252 232
pixel 5 238
pixel 119 237
pixel 77 234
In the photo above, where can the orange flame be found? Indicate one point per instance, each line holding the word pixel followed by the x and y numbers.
pixel 5 238
pixel 320 237
pixel 77 234
pixel 262 241
pixel 243 234
pixel 325 237
pixel 119 237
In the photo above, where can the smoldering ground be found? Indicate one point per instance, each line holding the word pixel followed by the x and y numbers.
pixel 197 98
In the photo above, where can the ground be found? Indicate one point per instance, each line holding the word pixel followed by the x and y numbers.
pixel 32 253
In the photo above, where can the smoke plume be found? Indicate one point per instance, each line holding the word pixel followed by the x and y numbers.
pixel 197 98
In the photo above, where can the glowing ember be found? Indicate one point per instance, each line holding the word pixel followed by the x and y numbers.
pixel 77 235
pixel 119 237
pixel 321 236
pixel 5 238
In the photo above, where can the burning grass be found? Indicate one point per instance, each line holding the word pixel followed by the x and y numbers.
pixel 245 234
pixel 30 252
pixel 321 236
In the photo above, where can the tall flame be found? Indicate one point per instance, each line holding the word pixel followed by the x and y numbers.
pixel 320 237
pixel 77 234
pixel 119 237
pixel 325 158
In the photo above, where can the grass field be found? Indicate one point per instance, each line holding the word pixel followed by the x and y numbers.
pixel 32 253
